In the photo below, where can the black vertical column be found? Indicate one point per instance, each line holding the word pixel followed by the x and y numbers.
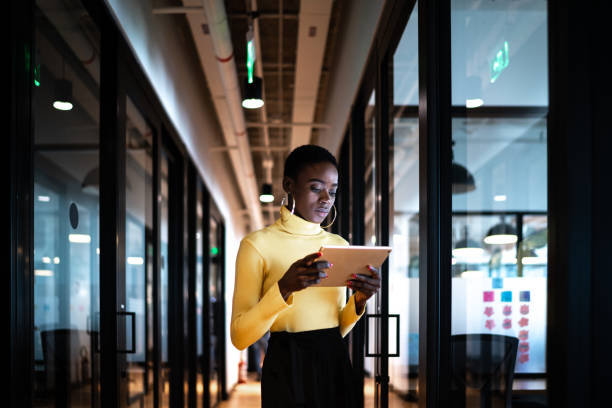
pixel 435 202
pixel 176 318
pixel 18 164
pixel 112 223
pixel 579 194
pixel 382 216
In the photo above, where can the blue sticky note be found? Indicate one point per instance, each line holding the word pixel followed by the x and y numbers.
pixel 506 296
pixel 498 283
pixel 525 296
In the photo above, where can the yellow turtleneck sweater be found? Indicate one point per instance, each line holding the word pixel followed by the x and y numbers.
pixel 263 258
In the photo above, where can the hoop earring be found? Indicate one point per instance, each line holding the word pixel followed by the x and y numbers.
pixel 283 203
pixel 334 219
pixel 293 206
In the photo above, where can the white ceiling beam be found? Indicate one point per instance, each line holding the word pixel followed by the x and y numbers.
pixel 313 26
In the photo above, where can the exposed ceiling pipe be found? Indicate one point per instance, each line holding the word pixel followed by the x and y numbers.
pixel 268 162
pixel 226 63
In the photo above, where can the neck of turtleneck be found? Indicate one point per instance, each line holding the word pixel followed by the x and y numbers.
pixel 297 225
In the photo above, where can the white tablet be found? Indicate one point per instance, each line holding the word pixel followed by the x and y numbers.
pixel 348 260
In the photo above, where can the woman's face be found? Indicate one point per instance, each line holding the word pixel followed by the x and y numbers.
pixel 314 191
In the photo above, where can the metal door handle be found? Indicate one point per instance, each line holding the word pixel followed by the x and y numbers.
pixel 133 348
pixel 397 335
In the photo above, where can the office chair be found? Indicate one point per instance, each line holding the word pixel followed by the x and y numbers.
pixel 482 370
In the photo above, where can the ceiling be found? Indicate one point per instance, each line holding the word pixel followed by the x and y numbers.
pixel 292 73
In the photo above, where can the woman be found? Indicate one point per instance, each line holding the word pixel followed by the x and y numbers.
pixel 307 364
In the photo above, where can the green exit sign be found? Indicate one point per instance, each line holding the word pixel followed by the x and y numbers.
pixel 500 62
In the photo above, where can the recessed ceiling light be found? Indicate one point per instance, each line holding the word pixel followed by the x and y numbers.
pixel 500 197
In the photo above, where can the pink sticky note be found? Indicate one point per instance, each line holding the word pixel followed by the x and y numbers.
pixel 488 296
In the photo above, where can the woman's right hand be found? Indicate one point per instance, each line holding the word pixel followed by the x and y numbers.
pixel 303 273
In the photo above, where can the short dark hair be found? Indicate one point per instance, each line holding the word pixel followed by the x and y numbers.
pixel 306 155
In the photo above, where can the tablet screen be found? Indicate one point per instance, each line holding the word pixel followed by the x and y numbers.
pixel 348 260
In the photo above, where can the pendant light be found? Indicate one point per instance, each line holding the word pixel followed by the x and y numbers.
pixel 462 179
pixel 252 84
pixel 62 98
pixel 501 234
pixel 266 195
pixel 467 248
pixel 252 94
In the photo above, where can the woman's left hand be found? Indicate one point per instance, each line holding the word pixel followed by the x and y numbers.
pixel 365 287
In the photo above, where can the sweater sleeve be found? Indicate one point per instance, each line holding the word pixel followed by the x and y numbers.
pixel 349 316
pixel 253 313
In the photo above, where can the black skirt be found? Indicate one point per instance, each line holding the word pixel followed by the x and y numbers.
pixel 307 369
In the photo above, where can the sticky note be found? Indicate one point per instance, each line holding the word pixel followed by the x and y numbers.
pixel 525 296
pixel 506 296
pixel 498 283
pixel 488 296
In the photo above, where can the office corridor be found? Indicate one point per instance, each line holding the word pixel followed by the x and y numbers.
pixel 174 165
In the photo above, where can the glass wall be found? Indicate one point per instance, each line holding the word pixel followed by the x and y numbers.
pixel 214 286
pixel 404 217
pixel 65 111
pixel 499 185
pixel 139 266
pixel 370 236
pixel 164 290
pixel 200 294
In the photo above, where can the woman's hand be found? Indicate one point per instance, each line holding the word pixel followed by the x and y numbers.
pixel 303 273
pixel 365 286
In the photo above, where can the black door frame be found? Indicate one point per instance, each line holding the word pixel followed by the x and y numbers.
pixel 19 221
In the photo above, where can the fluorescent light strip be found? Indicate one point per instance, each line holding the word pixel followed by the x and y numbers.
pixel 135 260
pixel 79 238
pixel 43 272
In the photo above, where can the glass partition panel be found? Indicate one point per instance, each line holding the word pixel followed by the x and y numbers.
pixel 404 219
pixel 139 267
pixel 164 290
pixel 215 310
pixel 65 109
pixel 371 367
pixel 200 296
pixel 499 185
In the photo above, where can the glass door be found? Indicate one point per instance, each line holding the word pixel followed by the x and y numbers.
pixel 499 202
pixel 372 364
pixel 201 295
pixel 215 310
pixel 164 289
pixel 66 112
pixel 404 220
pixel 139 252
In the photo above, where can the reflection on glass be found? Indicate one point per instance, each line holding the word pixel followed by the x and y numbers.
pixel 404 221
pixel 164 374
pixel 138 268
pixel 214 288
pixel 66 209
pixel 371 391
pixel 499 233
pixel 200 296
